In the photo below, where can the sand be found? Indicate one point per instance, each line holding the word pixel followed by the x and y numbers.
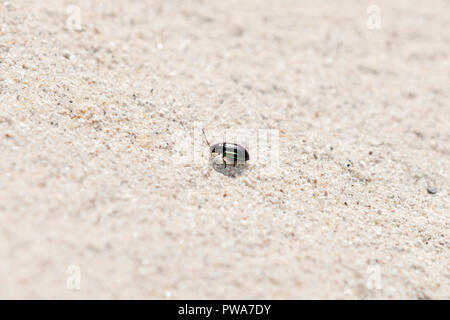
pixel 106 189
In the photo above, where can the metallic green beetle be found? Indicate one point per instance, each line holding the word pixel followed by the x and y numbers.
pixel 231 152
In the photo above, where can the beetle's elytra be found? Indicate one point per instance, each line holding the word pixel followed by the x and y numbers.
pixel 231 152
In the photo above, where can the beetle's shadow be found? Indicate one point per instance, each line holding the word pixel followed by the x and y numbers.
pixel 230 170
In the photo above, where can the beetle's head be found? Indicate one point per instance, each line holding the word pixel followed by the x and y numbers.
pixel 216 149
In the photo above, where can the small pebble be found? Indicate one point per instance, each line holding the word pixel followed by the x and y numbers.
pixel 432 190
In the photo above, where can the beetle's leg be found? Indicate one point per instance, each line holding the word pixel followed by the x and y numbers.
pixel 224 162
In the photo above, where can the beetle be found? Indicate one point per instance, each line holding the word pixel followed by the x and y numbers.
pixel 231 152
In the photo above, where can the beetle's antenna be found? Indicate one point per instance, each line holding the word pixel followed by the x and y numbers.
pixel 204 135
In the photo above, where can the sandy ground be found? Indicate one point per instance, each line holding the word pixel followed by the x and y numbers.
pixel 102 179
